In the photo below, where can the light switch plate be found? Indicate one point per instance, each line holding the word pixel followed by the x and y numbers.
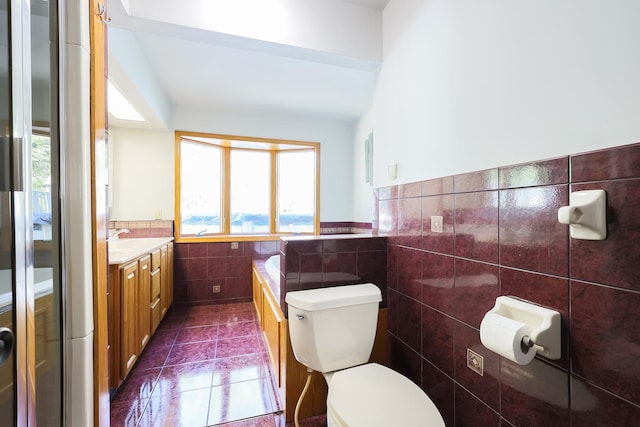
pixel 234 245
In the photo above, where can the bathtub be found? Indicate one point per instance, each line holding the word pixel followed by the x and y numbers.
pixel 43 285
pixel 272 265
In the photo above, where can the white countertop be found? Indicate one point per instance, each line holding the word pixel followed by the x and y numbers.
pixel 121 251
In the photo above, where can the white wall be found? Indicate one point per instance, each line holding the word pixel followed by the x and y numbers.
pixel 130 147
pixel 362 191
pixel 467 85
pixel 141 170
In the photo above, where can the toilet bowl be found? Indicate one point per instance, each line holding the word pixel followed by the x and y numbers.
pixel 373 395
pixel 332 331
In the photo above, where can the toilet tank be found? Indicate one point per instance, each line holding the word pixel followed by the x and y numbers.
pixel 333 328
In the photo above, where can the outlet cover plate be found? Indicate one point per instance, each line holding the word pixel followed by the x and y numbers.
pixel 436 224
pixel 475 362
pixel 215 289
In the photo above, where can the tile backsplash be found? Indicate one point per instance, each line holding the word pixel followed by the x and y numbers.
pixel 500 236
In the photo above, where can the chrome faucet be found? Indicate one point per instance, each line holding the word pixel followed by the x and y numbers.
pixel 117 233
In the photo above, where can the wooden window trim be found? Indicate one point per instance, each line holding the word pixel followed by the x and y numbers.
pixel 232 142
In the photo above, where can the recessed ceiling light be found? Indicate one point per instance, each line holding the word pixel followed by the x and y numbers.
pixel 120 107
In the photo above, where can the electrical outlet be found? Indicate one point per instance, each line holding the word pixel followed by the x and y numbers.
pixel 234 245
pixel 436 224
pixel 216 289
pixel 475 362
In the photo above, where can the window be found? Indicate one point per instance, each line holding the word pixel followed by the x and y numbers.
pixel 245 188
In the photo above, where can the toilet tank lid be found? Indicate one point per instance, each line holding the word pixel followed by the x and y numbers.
pixel 336 296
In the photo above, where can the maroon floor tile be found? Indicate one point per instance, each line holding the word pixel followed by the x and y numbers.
pixel 138 386
pixel 239 346
pixel 593 407
pixel 127 413
pixel 531 238
pixel 433 240
pixel 476 226
pixel 476 289
pixel 153 357
pixel 238 329
pixel 243 316
pixel 613 261
pixel 437 339
pixel 192 352
pixel 164 337
pixel 316 421
pixel 262 421
pixel 236 307
pixel 201 319
pixel 240 368
pixel 197 334
pixel 544 172
pixel 190 376
pixel 486 387
pixel 535 394
pixel 240 400
pixel 605 332
pixel 437 281
pixel 184 409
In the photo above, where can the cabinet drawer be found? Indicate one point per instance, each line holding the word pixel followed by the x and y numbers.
pixel 155 284
pixel 155 315
pixel 155 259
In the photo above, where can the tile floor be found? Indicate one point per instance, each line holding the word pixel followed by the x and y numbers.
pixel 204 366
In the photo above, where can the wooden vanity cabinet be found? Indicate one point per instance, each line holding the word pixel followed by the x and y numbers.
pixel 144 298
pixel 128 317
pixel 164 282
pixel 136 291
pixel 154 300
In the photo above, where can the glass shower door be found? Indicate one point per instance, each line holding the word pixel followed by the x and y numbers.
pixel 16 395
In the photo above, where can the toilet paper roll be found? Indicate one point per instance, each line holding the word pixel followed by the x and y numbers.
pixel 504 336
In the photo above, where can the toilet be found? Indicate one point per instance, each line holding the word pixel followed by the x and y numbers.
pixel 332 331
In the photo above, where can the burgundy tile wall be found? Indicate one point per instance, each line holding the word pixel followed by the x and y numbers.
pixel 199 266
pixel 323 261
pixel 502 237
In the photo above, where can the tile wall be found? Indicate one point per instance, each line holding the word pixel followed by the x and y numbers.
pixel 501 237
pixel 319 262
pixel 199 266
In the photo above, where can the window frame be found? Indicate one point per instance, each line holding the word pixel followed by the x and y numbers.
pixel 232 142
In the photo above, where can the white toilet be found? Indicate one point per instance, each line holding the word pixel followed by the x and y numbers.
pixel 332 331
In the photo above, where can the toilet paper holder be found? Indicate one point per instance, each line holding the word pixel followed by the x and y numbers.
pixel 545 324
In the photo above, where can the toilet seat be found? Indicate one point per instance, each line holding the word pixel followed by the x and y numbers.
pixel 373 395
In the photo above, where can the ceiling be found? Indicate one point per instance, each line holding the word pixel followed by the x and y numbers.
pixel 173 65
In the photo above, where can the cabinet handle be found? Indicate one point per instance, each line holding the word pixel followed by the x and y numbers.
pixel 144 267
pixel 131 275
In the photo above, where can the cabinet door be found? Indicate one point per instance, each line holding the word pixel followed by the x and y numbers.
pixel 128 323
pixel 164 280
pixel 144 296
